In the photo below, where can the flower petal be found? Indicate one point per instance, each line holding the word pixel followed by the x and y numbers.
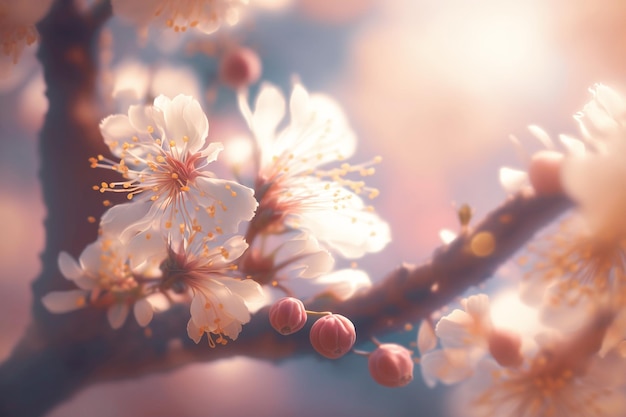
pixel 116 314
pixel 143 312
pixel 193 331
pixel 512 180
pixel 69 267
pixel 64 301
pixel 426 338
pixel 128 219
pixel 233 202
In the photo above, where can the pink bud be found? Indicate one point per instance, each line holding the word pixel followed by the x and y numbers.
pixel 505 346
pixel 332 336
pixel 240 67
pixel 545 172
pixel 288 315
pixel 391 365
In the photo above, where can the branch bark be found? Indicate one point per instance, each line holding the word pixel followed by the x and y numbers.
pixel 61 354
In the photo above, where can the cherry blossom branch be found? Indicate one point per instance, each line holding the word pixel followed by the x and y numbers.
pixel 61 354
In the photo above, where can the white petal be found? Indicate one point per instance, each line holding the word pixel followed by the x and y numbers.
pixel 202 317
pixel 116 314
pixel 69 267
pixel 512 180
pixel 611 101
pixel 344 283
pixel 237 201
pixel 316 264
pixel 542 136
pixel 426 338
pixel 352 233
pixel 194 331
pixel 477 306
pixel 454 329
pixel 64 301
pixel 212 151
pixel 116 129
pixel 232 329
pixel 299 104
pixel 145 250
pixel 235 246
pixel 573 146
pixel 269 110
pixel 184 118
pixel 244 107
pixel 125 220
pixel 447 236
pixel 91 256
pixel 143 312
pixel 251 292
pixel 448 366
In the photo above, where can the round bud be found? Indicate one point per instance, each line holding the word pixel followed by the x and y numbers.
pixel 332 336
pixel 545 172
pixel 505 347
pixel 391 365
pixel 287 315
pixel 239 67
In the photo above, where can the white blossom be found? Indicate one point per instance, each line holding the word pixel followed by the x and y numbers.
pixel 163 159
pixel 179 15
pixel 464 338
pixel 221 301
pixel 110 274
pixel 293 188
pixel 17 28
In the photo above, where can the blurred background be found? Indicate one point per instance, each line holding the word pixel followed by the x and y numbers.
pixel 435 87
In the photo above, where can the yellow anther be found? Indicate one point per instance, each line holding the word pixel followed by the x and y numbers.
pixel 150 129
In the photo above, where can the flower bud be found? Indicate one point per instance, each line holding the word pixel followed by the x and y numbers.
pixel 505 347
pixel 391 365
pixel 287 315
pixel 545 172
pixel 240 67
pixel 332 336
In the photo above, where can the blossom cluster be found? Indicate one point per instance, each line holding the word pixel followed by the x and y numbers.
pixel 572 361
pixel 185 235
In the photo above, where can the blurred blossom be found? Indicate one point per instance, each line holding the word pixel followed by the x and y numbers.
pixel 138 83
pixel 17 29
pixel 204 15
